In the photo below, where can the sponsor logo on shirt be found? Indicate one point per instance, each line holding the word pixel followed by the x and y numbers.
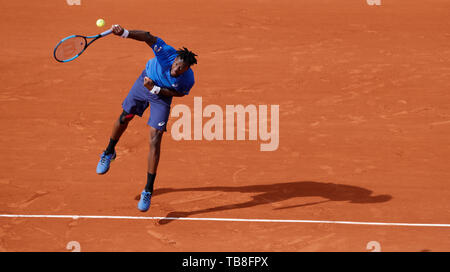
pixel 156 48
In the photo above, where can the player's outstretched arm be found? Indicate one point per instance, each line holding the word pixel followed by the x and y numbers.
pixel 139 35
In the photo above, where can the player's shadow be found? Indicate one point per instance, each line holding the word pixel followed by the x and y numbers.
pixel 265 194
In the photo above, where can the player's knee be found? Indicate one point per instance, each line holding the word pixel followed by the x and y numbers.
pixel 125 117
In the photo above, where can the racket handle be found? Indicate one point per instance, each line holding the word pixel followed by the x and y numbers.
pixel 107 32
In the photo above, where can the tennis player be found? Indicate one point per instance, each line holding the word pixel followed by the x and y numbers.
pixel 167 75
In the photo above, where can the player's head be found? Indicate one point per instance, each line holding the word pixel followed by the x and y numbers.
pixel 182 62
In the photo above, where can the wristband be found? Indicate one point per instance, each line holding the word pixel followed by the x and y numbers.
pixel 155 90
pixel 125 33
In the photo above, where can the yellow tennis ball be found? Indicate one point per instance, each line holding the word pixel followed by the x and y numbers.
pixel 100 22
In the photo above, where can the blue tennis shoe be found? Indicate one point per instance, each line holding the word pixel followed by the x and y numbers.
pixel 144 202
pixel 105 161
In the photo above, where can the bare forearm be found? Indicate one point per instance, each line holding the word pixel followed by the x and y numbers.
pixel 148 83
pixel 169 92
pixel 139 35
pixel 143 36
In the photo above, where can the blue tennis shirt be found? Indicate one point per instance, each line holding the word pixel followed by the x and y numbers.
pixel 158 69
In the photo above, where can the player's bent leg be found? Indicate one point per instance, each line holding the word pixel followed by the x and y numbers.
pixel 125 117
pixel 120 125
pixel 135 103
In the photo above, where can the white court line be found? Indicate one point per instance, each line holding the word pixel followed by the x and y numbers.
pixel 223 219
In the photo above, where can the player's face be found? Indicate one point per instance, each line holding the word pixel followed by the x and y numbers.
pixel 178 67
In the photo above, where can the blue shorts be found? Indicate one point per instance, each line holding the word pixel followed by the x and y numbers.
pixel 138 100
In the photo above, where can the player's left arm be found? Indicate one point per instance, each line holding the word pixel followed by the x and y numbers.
pixel 169 92
pixel 148 83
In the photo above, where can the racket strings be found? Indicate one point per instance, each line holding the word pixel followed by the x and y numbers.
pixel 70 48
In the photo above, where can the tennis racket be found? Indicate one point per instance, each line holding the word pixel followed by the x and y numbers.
pixel 73 46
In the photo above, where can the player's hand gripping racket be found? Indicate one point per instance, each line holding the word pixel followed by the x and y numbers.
pixel 73 46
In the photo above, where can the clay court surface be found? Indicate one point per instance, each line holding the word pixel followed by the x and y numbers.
pixel 364 130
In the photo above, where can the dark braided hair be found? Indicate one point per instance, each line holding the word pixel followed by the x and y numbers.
pixel 187 56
